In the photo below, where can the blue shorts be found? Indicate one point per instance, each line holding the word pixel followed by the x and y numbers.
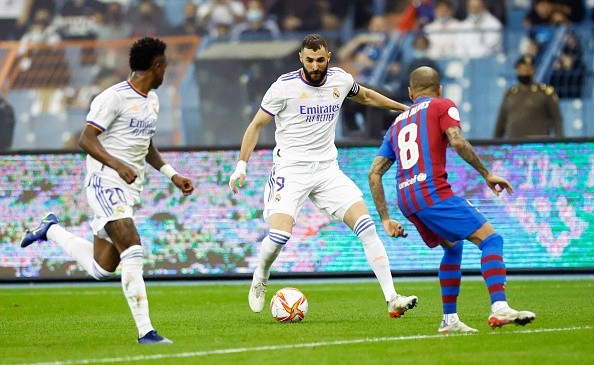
pixel 453 219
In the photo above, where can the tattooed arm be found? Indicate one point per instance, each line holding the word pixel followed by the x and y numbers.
pixel 378 169
pixel 467 152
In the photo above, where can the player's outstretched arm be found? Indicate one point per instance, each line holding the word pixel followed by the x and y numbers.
pixel 467 152
pixel 372 98
pixel 378 168
pixel 91 145
pixel 250 139
pixel 153 158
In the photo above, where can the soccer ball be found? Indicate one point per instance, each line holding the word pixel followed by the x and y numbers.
pixel 288 305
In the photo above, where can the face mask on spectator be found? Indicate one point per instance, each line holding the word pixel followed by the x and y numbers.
pixel 524 79
pixel 254 16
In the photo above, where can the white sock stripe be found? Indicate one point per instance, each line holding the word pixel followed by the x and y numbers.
pixel 278 239
pixel 132 252
pixel 363 223
pixel 100 273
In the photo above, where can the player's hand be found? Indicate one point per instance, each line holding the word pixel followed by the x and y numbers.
pixel 126 172
pixel 498 184
pixel 183 183
pixel 394 228
pixel 239 174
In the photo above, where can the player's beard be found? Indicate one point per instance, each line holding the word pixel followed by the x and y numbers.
pixel 315 77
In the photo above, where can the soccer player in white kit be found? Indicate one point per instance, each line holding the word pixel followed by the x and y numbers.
pixel 118 139
pixel 305 104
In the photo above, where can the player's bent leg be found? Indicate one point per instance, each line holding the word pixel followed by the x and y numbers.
pixel 76 247
pixel 279 234
pixel 494 274
pixel 125 236
pixel 358 219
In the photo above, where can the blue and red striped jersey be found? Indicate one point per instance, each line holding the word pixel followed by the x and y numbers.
pixel 417 142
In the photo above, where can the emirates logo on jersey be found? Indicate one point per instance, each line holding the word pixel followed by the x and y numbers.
pixel 336 93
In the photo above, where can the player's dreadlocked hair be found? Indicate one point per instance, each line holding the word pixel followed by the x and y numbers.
pixel 313 42
pixel 144 51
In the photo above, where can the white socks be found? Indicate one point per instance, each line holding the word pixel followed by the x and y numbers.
pixel 450 318
pixel 497 306
pixel 376 254
pixel 134 288
pixel 271 246
pixel 79 249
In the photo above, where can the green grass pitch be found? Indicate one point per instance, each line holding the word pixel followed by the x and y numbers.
pixel 347 323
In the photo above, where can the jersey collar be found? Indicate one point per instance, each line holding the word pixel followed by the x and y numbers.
pixel 136 90
pixel 421 99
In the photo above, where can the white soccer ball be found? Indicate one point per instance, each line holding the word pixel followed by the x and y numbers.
pixel 288 305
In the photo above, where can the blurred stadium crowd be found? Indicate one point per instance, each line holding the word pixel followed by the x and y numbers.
pixel 55 55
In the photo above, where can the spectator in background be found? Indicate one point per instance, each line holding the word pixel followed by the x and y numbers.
pixel 416 15
pixel 13 16
pixel 574 10
pixel 7 124
pixel 148 20
pixel 191 24
pixel 412 59
pixel 359 57
pixel 17 16
pixel 297 15
pixel 569 69
pixel 41 67
pixel 220 16
pixel 497 8
pixel 111 25
pixel 529 110
pixel 442 31
pixel 330 18
pixel 257 25
pixel 539 14
pixel 480 33
pixel 78 19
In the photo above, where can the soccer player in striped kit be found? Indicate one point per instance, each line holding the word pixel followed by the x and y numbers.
pixel 305 104
pixel 118 139
pixel 417 142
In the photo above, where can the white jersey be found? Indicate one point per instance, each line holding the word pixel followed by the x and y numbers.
pixel 128 120
pixel 306 114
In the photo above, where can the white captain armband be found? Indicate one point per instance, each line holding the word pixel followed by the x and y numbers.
pixel 168 171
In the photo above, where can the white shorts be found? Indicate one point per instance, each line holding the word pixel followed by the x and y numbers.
pixel 329 189
pixel 110 199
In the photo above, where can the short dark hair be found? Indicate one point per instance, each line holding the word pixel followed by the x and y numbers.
pixel 313 42
pixel 144 51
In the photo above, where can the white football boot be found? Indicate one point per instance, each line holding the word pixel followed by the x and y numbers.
pixel 399 304
pixel 458 326
pixel 507 316
pixel 257 295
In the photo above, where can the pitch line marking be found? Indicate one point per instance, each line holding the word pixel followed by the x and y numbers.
pixel 288 347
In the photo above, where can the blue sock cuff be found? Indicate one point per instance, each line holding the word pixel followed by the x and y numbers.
pixel 495 240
